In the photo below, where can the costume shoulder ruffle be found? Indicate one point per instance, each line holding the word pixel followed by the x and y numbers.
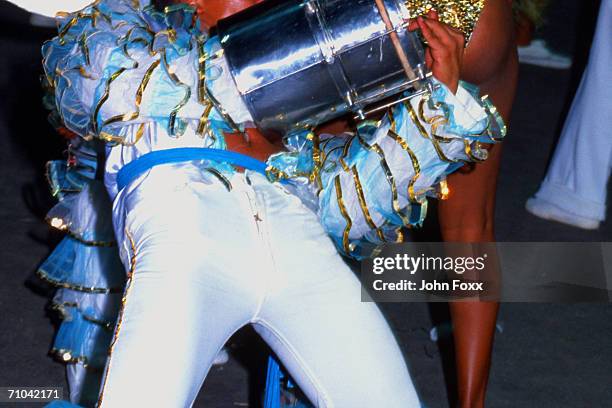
pixel 117 63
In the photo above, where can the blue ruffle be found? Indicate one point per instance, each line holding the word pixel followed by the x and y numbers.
pixel 368 185
pixel 80 339
pixel 85 266
pixel 112 49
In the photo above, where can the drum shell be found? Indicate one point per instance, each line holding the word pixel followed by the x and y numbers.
pixel 299 63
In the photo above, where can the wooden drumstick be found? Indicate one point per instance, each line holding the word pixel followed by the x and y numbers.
pixel 399 50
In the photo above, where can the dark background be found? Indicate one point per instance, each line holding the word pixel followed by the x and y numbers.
pixel 545 356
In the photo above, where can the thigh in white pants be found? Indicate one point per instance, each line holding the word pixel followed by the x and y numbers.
pixel 206 260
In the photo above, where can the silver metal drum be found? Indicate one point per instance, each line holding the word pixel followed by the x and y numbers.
pixel 304 62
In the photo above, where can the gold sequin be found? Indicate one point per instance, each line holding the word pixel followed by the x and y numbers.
pixel 460 14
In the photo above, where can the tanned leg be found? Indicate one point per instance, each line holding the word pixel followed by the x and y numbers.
pixel 468 214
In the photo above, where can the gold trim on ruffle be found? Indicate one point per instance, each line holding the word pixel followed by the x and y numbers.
pixel 433 121
pixel 58 223
pixel 103 244
pixel 275 174
pixel 84 48
pixel 203 124
pixel 415 163
pixel 491 110
pixel 317 156
pixel 104 98
pixel 175 79
pixel 59 308
pixel 364 205
pixel 349 223
pixel 389 176
pixel 126 292
pixel 105 325
pixel 124 41
pixel 79 288
pixel 345 152
pixel 467 147
pixel 444 190
pixel 66 356
pixel 126 117
pixel 203 92
pixel 51 184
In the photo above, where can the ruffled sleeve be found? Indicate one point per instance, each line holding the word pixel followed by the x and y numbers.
pixel 117 64
pixel 367 185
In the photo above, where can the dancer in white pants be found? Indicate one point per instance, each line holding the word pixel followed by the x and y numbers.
pixel 574 189
pixel 262 259
pixel 209 249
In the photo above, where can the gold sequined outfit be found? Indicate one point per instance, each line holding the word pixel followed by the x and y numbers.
pixel 460 14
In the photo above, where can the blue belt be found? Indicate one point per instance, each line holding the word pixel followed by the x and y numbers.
pixel 136 168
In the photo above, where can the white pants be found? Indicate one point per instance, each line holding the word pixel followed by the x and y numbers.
pixel 206 261
pixel 578 175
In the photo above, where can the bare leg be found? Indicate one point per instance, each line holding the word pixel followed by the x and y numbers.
pixel 468 215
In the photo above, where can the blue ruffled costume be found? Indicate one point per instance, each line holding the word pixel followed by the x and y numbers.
pixel 85 267
pixel 124 73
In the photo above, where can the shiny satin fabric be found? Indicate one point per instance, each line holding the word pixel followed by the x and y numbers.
pixel 170 108
pixel 189 290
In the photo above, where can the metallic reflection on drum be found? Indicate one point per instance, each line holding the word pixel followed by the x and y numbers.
pixel 300 63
